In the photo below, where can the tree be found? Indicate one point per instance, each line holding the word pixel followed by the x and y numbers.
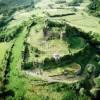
pixel 90 68
pixel 94 5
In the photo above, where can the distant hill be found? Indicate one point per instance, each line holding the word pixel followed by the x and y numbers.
pixel 7 4
pixel 13 3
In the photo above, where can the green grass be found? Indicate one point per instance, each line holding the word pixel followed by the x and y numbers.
pixel 33 88
pixel 15 80
pixel 19 18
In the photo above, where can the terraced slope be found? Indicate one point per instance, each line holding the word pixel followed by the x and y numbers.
pixel 50 52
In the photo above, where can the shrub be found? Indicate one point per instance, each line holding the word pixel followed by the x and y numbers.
pixel 55 23
pixel 75 3
pixel 95 92
pixel 28 65
pixel 82 91
pixel 97 81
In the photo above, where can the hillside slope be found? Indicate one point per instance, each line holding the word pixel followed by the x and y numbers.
pixel 50 51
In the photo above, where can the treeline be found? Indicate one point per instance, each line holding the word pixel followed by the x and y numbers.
pixel 89 86
pixel 25 55
pixel 51 63
pixel 54 23
pixel 8 5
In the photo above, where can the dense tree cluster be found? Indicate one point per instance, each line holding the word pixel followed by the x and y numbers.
pixel 94 5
